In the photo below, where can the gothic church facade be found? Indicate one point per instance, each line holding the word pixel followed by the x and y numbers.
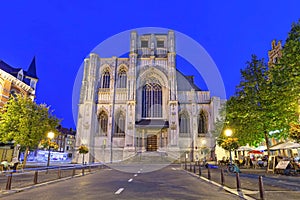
pixel 143 103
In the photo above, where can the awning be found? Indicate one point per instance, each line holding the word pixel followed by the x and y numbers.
pixel 244 148
pixel 285 145
pixel 152 123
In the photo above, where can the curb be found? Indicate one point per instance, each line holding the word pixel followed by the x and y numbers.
pixel 230 190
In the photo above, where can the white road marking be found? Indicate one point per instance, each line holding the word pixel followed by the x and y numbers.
pixel 139 172
pixel 130 180
pixel 119 191
pixel 174 168
pixel 135 175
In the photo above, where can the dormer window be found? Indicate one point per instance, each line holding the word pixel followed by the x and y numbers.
pixel 144 43
pixel 20 75
pixel 160 44
pixel 32 84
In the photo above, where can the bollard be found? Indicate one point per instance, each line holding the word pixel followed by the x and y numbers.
pixel 199 170
pixel 82 170
pixel 90 168
pixel 59 173
pixel 185 167
pixel 208 173
pixel 195 168
pixel 73 174
pixel 190 166
pixel 35 178
pixel 238 183
pixel 261 188
pixel 8 183
pixel 222 177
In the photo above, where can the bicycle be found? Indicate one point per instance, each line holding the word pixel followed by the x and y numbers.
pixel 233 168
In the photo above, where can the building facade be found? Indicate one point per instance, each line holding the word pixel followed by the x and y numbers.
pixel 65 140
pixel 143 103
pixel 15 81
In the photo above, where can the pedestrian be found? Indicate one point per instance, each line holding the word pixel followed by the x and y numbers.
pixel 14 163
pixel 5 164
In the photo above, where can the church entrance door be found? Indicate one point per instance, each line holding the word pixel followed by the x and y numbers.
pixel 151 143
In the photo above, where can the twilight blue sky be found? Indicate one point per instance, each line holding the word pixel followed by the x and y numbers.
pixel 62 33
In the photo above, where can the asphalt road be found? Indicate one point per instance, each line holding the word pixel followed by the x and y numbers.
pixel 166 183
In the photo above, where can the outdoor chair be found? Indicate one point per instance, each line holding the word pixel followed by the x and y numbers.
pixel 291 170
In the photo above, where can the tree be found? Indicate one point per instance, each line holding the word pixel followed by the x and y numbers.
pixel 26 123
pixel 286 77
pixel 83 150
pixel 295 132
pixel 230 143
pixel 253 112
pixel 267 99
pixel 47 143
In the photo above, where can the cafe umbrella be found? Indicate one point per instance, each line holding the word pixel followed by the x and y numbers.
pixel 255 152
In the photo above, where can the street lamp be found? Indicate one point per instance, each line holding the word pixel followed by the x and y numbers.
pixel 228 133
pixel 50 135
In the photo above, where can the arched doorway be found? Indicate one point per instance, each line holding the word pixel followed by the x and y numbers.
pixel 151 143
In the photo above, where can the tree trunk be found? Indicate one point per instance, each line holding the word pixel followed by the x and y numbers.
pixel 267 142
pixel 25 156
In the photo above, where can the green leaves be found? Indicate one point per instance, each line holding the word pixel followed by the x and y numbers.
pixel 83 149
pixel 230 144
pixel 267 99
pixel 25 122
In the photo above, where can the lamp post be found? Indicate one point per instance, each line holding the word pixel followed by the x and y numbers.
pixel 228 133
pixel 50 135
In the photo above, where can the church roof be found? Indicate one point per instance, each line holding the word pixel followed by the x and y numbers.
pixel 32 69
pixel 185 83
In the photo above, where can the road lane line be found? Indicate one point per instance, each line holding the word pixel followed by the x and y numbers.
pixel 130 180
pixel 139 172
pixel 135 175
pixel 174 168
pixel 119 191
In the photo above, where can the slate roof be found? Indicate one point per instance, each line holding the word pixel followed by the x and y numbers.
pixel 66 131
pixel 185 83
pixel 32 69
pixel 14 71
pixel 7 68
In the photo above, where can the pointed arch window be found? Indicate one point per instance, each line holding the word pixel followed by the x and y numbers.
pixel 120 125
pixel 106 79
pixel 152 101
pixel 122 79
pixel 184 125
pixel 202 123
pixel 103 121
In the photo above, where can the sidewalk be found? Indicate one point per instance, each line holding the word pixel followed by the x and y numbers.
pixel 276 186
pixel 35 175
